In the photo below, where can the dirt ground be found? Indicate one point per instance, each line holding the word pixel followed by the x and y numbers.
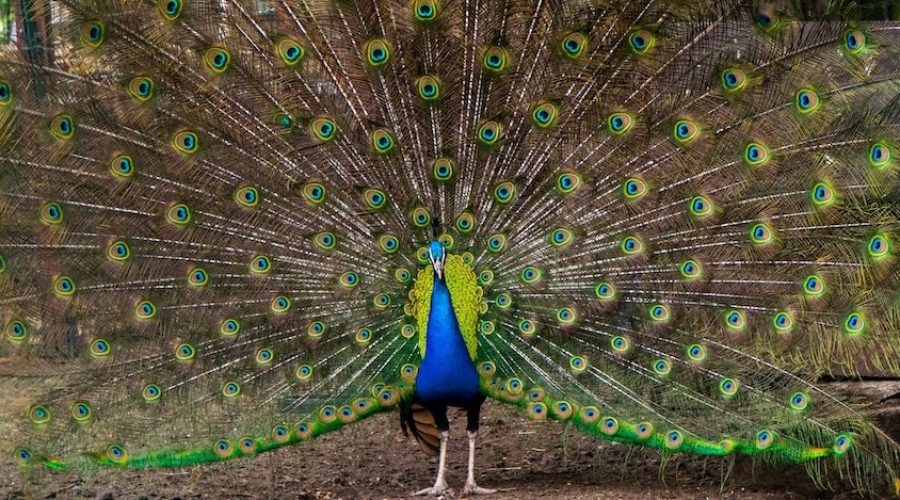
pixel 372 459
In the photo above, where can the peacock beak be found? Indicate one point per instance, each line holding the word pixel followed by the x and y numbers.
pixel 438 263
pixel 438 268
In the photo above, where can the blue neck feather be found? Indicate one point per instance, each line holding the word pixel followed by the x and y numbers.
pixel 447 374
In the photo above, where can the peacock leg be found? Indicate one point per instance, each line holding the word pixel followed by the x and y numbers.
pixel 440 484
pixel 472 488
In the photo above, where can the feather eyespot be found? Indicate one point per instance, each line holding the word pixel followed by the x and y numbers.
pixel 325 240
pixel 93 33
pixel 813 286
pixel 696 353
pixel 377 52
pixel 141 88
pixel 855 324
pixel 16 331
pixel 631 246
pixel 734 80
pixel 799 402
pixel 641 42
pixel 531 275
pixel 574 45
pixel 822 195
pixel 223 448
pixel 619 123
pixel 701 207
pixel 349 279
pixel 728 387
pixel 382 141
pixel 496 242
pixel 578 364
pixel 633 189
pixel 100 348
pixel 783 322
pixel 620 344
pixel 374 199
pixel 314 193
pixel 420 217
pixel 561 237
pixel 735 321
pixel 64 286
pixel 426 11
pixel 62 127
pixel 761 234
pixel 363 336
pixel 527 327
pixel 690 269
pixel 854 42
pixel 197 277
pixel 122 166
pixel 674 440
pixel 185 352
pixel 151 393
pixel 495 60
pixel 316 329
pixel 231 390
pixel 170 9
pixel 323 129
pixel 230 327
pixel 217 59
pixel 544 114
pixel 264 357
pixel 490 132
pixel 609 426
pixel 428 88
pixel 806 101
pixel 51 213
pixel 442 169
pixel 605 291
pixel 280 304
pixel 465 222
pixel 290 51
pixel 247 196
pixel 685 131
pixel 81 412
pixel 145 310
pixel 39 414
pixel 878 247
pixel 504 192
pixel 662 367
pixel 260 264
pixel 247 445
pixel 568 182
pixel 764 439
pixel 660 313
pixel 186 142
pixel 756 154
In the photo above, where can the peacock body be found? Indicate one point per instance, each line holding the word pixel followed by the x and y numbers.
pixel 227 227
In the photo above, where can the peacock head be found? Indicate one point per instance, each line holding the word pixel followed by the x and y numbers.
pixel 437 255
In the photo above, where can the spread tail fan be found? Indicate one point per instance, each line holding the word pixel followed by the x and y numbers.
pixel 665 222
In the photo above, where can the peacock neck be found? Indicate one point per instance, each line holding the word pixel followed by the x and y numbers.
pixel 447 373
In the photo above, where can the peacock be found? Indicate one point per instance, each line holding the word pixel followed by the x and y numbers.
pixel 232 226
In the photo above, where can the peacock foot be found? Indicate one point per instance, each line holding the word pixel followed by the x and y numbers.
pixel 474 489
pixel 438 490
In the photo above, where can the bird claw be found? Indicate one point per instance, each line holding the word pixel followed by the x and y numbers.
pixel 438 490
pixel 474 489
